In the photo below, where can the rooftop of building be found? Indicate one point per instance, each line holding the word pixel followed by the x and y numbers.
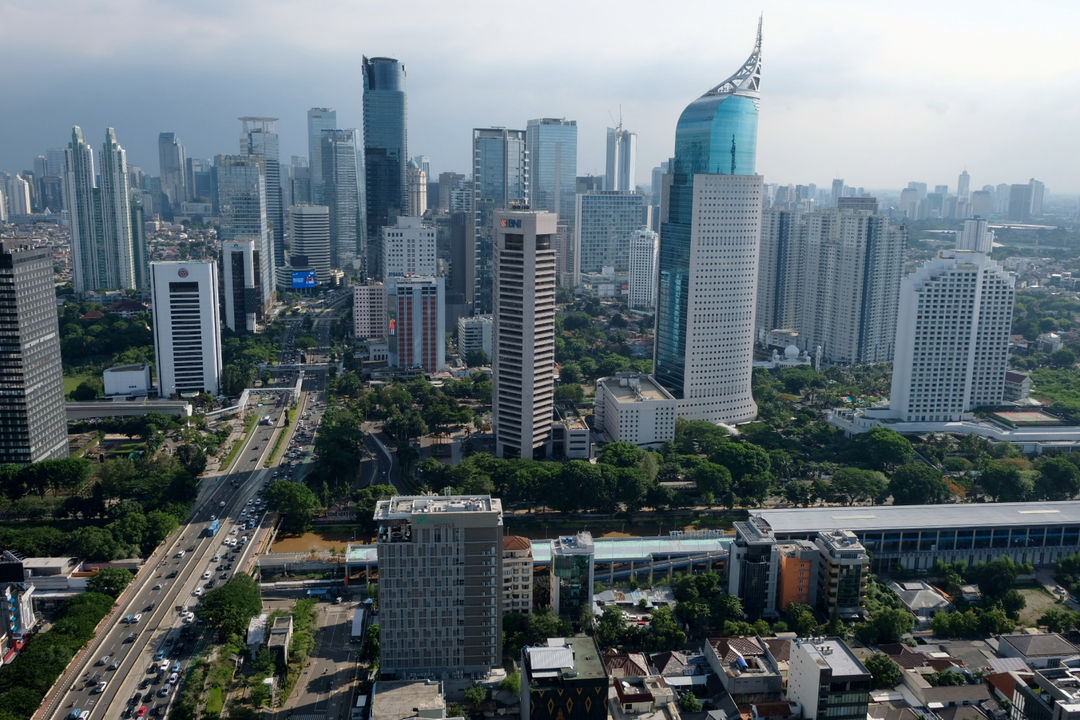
pixel 833 653
pixel 907 517
pixel 837 541
pixel 571 657
pixel 580 544
pixel 634 387
pixel 605 549
pixel 918 595
pixel 399 699
pixel 406 506
pixel 1040 644
pixel 127 368
pixel 516 543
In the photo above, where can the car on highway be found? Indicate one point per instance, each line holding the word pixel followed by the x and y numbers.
pixel 224 576
pixel 144 684
pixel 179 554
pixel 100 688
pixel 157 587
pixel 131 638
pixel 206 575
pixel 197 592
pixel 114 665
pixel 103 661
pixel 134 699
pixel 141 712
pixel 164 691
pixel 171 575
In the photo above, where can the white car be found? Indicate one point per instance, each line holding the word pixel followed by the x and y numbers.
pixel 233 531
pixel 216 558
pixel 198 592
pixel 206 575
pixel 179 554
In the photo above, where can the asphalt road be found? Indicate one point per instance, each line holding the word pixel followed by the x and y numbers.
pixel 154 594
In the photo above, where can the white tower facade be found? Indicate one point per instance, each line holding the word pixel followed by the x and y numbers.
pixel 621 159
pixel 408 248
pixel 187 334
pixel 524 353
pixel 644 245
pixel 311 238
pixel 975 236
pixel 952 338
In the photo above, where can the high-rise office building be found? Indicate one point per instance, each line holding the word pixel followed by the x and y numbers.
pixel 417 322
pixel 415 190
pixel 369 311
pixel 976 236
pixel 572 562
pixel 1038 193
pixel 342 182
pixel 523 365
pixel 3 206
pixel 140 251
pixel 101 244
pixel 187 334
pixel 311 239
pixel 851 264
pixel 837 191
pixel 621 160
pixel 318 119
pixel 1020 202
pixel 408 248
pixel 33 424
pixel 552 147
pixel 453 184
pixel 827 680
pixel 172 166
pixel 709 240
pixel 18 196
pixel 963 185
pixel 644 244
pixel 241 192
pixel 385 149
pixel 239 294
pixel 952 338
pixel 982 203
pixel 780 272
pixel 474 334
pixel 260 139
pixel 440 584
pixel 500 179
pixel 605 223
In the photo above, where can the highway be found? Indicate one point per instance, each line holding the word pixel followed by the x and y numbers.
pixel 164 583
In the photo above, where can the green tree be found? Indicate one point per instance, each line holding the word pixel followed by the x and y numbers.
pixel 477 358
pixel 475 695
pixel 1003 482
pixel 365 500
pixel 230 607
pixel 688 702
pixel 664 632
pixel 85 392
pixel 714 479
pixel 995 578
pixel 621 454
pixel 883 448
pixel 852 485
pixel 1059 619
pixel 1059 479
pixel 886 625
pixel 158 526
pixel 917 484
pixel 92 543
pixel 885 672
pixel 295 502
pixel 110 581
pixel 371 643
pixel 192 457
pixel 545 624
pixel 511 683
pixel 611 627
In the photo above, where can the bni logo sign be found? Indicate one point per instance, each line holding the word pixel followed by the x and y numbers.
pixel 510 223
pixel 182 272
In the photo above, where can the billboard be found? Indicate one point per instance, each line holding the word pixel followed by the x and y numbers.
pixel 303 279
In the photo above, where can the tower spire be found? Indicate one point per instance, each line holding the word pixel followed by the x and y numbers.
pixel 747 79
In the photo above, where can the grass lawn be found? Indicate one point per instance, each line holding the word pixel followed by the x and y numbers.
pixel 73 381
pixel 1038 602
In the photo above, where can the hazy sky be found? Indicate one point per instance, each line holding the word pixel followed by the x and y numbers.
pixel 877 93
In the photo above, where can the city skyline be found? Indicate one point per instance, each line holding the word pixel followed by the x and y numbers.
pixel 879 99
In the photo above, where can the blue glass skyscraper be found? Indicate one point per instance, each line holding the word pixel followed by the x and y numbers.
pixel 710 234
pixel 385 150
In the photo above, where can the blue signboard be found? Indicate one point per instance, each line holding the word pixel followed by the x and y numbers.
pixel 303 279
